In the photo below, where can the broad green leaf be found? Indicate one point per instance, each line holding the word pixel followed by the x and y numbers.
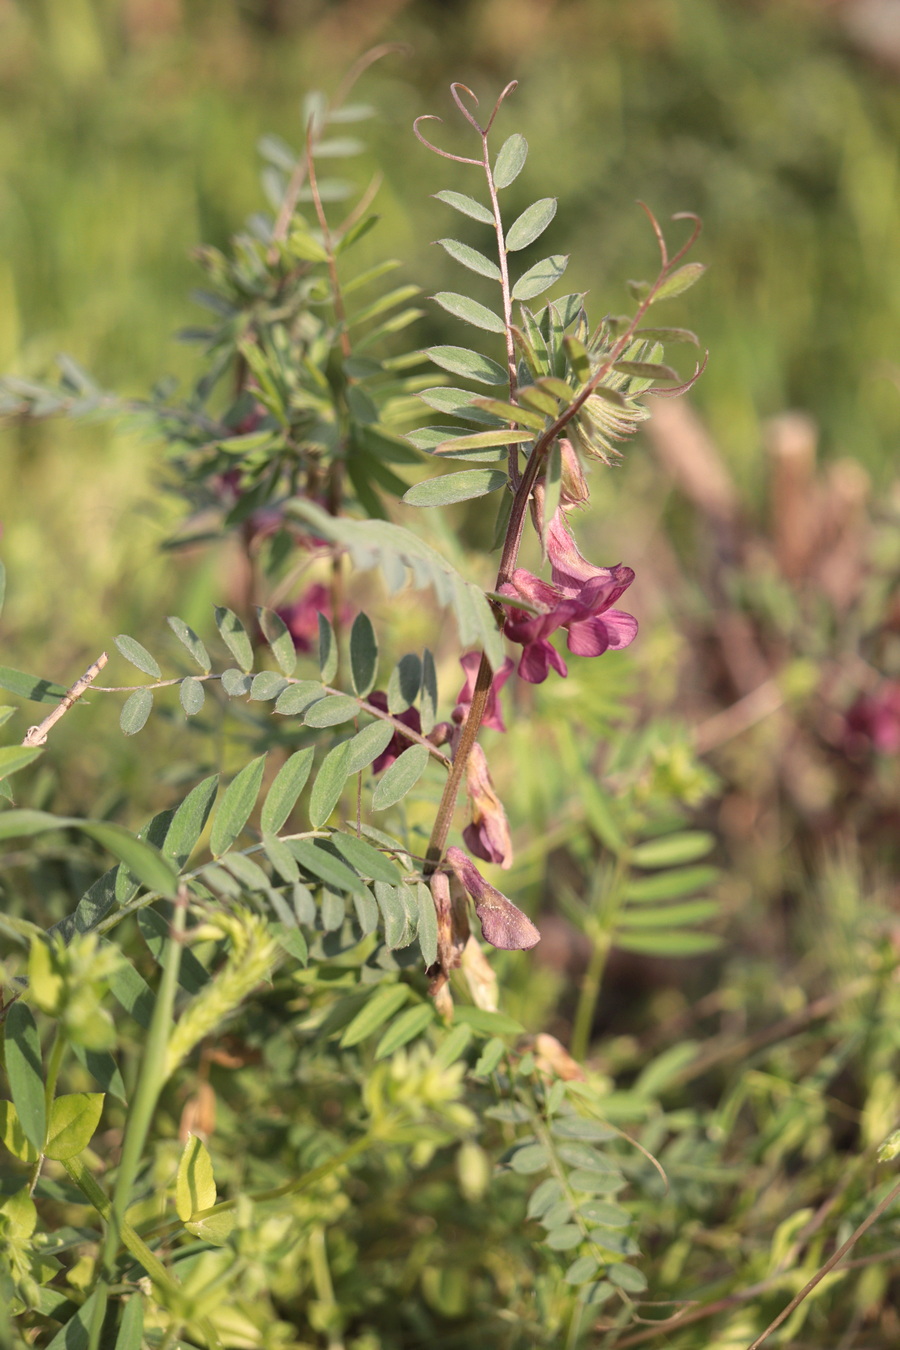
pixel 237 802
pixel 545 1195
pixel 489 1058
pixel 24 1071
pixel 289 782
pixel 377 1010
pixel 12 1136
pixel 76 1334
pixel 486 1023
pixel 393 903
pixel 578 358
pixel 281 857
pixel 292 941
pixel 192 696
pixel 684 943
pixel 529 1158
pixel 404 683
pixel 680 281
pixel 195 1186
pixel 234 635
pixel 73 1119
pixel 297 697
pixel 475 440
pixel 303 246
pixel 324 865
pixel 457 403
pixel 470 311
pixel 467 206
pixel 14 757
pixel 581 1128
pixel 363 655
pixel 246 871
pixel 329 784
pixel 511 412
pixel 455 487
pixel 629 1278
pixel 138 655
pixel 331 711
pixel 130 1335
pixel 406 1028
pixel 328 650
pixel 367 745
pixel 142 859
pixel 672 884
pixel 605 1215
pixel 471 258
pixel 454 1044
pixel 540 277
pixel 672 849
pixel 236 683
pixel 662 916
pixel 564 1238
pixel 30 686
pixel 668 335
pixel 268 684
pixel 189 821
pixel 189 639
pixel 366 860
pixel 366 911
pixel 216 1228
pixel 473 365
pixel 552 482
pixel 402 775
pixel 531 224
pixel 134 993
pixel 135 711
pixel 102 1067
pixel 582 1270
pixel 427 926
pixel 510 160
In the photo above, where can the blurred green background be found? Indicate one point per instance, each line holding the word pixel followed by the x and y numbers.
pixel 128 135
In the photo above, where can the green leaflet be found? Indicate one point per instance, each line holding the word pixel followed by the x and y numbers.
pixel 455 487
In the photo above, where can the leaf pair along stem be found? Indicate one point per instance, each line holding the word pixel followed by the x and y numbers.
pixel 523 486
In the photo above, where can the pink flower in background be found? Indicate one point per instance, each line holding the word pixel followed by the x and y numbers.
pixel 487 836
pixel 492 714
pixel 398 742
pixel 502 924
pixel 579 600
pixel 873 721
pixel 302 617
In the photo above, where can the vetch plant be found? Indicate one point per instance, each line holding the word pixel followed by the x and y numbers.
pixel 319 894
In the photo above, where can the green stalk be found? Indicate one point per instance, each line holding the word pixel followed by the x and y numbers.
pixel 149 1085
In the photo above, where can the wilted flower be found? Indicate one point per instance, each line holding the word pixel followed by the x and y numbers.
pixel 502 924
pixel 579 600
pixel 492 714
pixel 488 834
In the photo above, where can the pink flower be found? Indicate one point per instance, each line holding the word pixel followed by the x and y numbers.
pixel 492 714
pixel 398 742
pixel 301 618
pixel 488 834
pixel 579 600
pixel 502 924
pixel 874 721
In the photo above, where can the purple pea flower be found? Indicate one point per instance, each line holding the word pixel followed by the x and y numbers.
pixel 579 600
pixel 487 836
pixel 493 717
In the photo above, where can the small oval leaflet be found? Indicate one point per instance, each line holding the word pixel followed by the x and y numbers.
pixel 510 160
pixel 192 695
pixel 471 258
pixel 189 639
pixel 135 711
pixel 461 307
pixel 331 710
pixel 467 206
pixel 540 277
pixel 237 802
pixel 138 655
pixel 530 224
pixel 404 1029
pixel 282 795
pixel 673 849
pixel 234 635
pixel 403 775
pixel 474 366
pixel 455 487
pixel 367 745
pixel 363 655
